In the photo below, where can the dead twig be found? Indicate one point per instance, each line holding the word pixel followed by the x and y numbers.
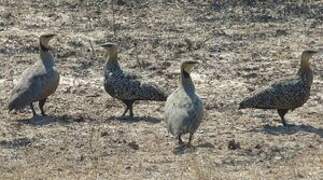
pixel 113 19
pixel 137 57
pixel 92 49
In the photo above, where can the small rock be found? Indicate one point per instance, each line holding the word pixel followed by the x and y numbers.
pixel 233 145
pixel 82 158
pixel 311 146
pixel 121 2
pixel 277 157
pixel 281 32
pixel 258 146
pixel 133 145
pixel 104 134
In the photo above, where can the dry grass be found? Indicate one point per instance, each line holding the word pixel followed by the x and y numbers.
pixel 242 44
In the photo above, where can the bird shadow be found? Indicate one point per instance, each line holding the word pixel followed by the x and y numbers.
pixel 185 149
pixel 291 129
pixel 128 119
pixel 51 119
pixel 206 145
pixel 16 143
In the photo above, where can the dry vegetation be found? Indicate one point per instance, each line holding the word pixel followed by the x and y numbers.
pixel 242 44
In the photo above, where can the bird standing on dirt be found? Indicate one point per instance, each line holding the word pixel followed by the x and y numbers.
pixel 125 86
pixel 184 108
pixel 38 82
pixel 286 94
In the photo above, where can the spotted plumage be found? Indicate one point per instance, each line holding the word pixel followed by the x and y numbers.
pixel 125 86
pixel 38 82
pixel 184 108
pixel 286 94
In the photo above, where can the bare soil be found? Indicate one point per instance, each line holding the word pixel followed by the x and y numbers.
pixel 242 45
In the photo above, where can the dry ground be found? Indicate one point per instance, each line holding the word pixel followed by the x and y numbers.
pixel 242 45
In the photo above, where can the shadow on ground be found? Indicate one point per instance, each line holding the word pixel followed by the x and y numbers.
pixel 184 149
pixel 16 143
pixel 128 119
pixel 52 119
pixel 206 145
pixel 291 129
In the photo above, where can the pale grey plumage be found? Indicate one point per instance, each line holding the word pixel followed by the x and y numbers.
pixel 285 94
pixel 125 86
pixel 184 108
pixel 37 82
